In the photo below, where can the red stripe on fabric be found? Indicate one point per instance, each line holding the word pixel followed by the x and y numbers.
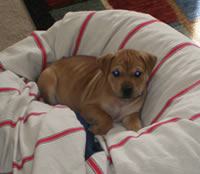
pixel 195 117
pixel 1 67
pixel 39 43
pixel 33 114
pixel 143 133
pixel 26 80
pixel 10 123
pixel 54 137
pixel 32 94
pixel 39 98
pixel 121 143
pixel 61 107
pixel 109 159
pixel 9 89
pixel 13 124
pixel 29 87
pixel 172 99
pixel 134 31
pixel 20 167
pixel 83 27
pixel 174 50
pixel 94 166
pixel 46 140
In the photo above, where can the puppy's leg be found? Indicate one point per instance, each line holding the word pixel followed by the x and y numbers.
pixel 132 122
pixel 47 83
pixel 100 121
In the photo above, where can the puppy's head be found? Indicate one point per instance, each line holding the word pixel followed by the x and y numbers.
pixel 127 71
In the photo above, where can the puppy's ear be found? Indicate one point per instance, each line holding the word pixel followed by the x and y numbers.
pixel 149 61
pixel 104 62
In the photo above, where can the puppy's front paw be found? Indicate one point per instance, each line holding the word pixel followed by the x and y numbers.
pixel 98 129
pixel 133 126
pixel 132 122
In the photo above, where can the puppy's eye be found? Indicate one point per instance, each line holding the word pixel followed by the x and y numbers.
pixel 138 73
pixel 116 73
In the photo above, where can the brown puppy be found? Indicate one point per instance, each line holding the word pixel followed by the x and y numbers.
pixel 109 88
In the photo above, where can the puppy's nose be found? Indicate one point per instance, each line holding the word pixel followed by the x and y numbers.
pixel 127 91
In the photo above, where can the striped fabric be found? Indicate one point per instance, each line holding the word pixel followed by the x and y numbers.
pixel 39 138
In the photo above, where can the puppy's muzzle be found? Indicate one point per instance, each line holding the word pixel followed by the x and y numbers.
pixel 127 91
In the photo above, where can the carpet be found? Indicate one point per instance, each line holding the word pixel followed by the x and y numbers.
pixel 15 22
pixel 183 15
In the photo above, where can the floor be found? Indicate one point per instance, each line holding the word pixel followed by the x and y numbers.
pixel 15 22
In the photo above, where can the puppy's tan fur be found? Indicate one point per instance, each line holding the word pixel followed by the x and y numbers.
pixel 87 85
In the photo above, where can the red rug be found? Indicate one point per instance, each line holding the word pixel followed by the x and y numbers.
pixel 183 15
pixel 54 3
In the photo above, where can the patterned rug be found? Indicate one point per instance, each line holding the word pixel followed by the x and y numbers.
pixel 183 15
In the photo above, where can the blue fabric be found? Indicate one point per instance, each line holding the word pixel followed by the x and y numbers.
pixel 92 144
